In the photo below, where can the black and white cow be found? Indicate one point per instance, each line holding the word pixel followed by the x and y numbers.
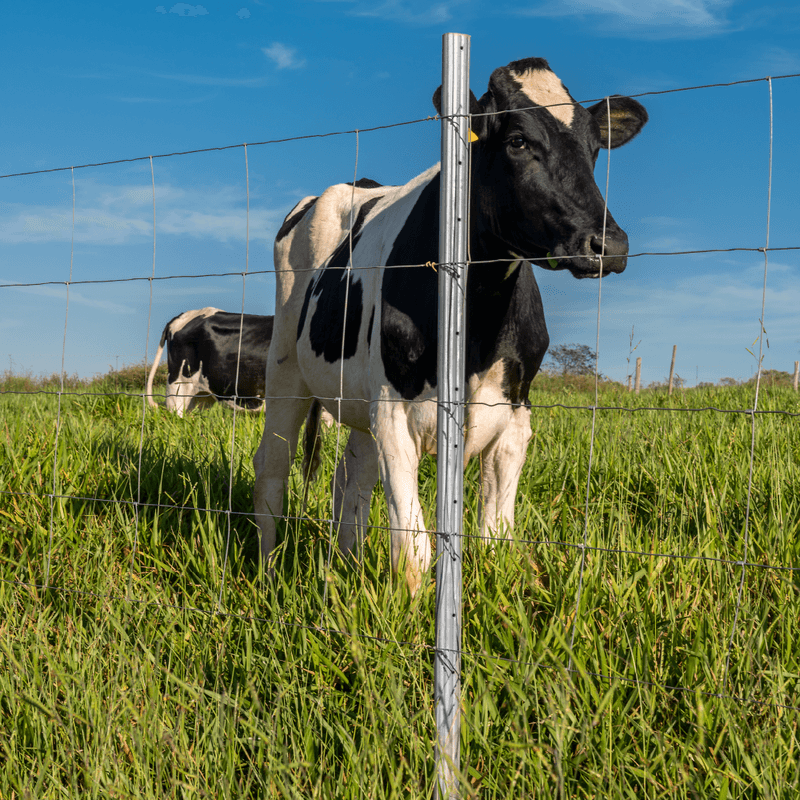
pixel 203 351
pixel 370 336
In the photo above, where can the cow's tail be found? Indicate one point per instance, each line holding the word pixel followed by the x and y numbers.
pixel 156 359
pixel 312 449
pixel 312 442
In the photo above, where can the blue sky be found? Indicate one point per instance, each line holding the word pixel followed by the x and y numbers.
pixel 93 82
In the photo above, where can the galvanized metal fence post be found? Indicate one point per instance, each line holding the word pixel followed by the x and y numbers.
pixel 453 236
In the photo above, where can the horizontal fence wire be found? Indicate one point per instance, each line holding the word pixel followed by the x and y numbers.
pixel 430 265
pixel 479 538
pixel 434 118
pixel 759 412
pixel 582 547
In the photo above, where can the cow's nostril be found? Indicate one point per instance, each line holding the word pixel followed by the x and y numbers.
pixel 613 246
pixel 596 244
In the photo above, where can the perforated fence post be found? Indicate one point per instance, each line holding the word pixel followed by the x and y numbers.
pixel 453 233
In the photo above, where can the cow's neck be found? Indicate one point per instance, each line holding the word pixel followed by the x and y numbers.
pixel 494 269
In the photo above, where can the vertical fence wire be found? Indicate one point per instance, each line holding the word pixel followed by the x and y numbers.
pixel 579 592
pixel 752 413
pixel 138 503
pixel 229 512
pixel 55 492
pixel 347 278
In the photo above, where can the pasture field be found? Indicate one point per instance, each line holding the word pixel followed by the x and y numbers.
pixel 675 677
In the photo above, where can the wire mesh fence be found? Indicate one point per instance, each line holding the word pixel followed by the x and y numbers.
pixel 614 494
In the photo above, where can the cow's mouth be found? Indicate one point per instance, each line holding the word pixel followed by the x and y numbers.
pixel 595 256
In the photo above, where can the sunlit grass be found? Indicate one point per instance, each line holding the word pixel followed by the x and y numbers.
pixel 156 663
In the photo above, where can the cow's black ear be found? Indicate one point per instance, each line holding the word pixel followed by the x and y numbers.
pixel 478 125
pixel 621 118
pixel 437 100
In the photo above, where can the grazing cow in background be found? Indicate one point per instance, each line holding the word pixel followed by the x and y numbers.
pixel 370 335
pixel 202 355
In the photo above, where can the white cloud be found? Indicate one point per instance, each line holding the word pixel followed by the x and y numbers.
pixel 667 234
pixel 284 57
pixel 112 215
pixel 75 297
pixel 410 12
pixel 664 18
pixel 186 10
pixel 775 61
pixel 400 11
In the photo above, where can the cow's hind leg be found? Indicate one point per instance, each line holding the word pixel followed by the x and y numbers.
pixel 272 462
pixel 501 467
pixel 356 476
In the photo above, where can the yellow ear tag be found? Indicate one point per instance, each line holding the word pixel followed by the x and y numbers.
pixel 472 136
pixel 552 261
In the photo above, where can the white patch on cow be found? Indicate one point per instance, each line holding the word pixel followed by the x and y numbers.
pixel 487 412
pixel 498 434
pixel 184 319
pixel 545 88
pixel 184 394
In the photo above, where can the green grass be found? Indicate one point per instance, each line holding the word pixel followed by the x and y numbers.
pixel 122 679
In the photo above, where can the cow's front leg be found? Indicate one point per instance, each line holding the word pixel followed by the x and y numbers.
pixel 272 462
pixel 501 466
pixel 398 459
pixel 356 476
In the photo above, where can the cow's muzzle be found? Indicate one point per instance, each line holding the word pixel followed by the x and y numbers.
pixel 601 255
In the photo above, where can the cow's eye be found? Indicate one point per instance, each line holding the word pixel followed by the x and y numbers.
pixel 517 142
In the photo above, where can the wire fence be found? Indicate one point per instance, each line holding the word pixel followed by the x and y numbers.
pixel 586 545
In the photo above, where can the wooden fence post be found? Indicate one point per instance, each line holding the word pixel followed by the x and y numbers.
pixel 638 374
pixel 672 368
pixel 796 373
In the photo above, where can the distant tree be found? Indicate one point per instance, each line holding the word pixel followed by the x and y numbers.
pixel 728 382
pixel 773 377
pixel 572 359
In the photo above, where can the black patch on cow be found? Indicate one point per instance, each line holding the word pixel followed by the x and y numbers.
pixel 505 318
pixel 336 289
pixel 369 328
pixel 367 183
pixel 293 219
pixel 215 343
pixel 301 321
pixel 409 299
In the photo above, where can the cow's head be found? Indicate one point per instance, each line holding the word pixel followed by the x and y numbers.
pixel 534 193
